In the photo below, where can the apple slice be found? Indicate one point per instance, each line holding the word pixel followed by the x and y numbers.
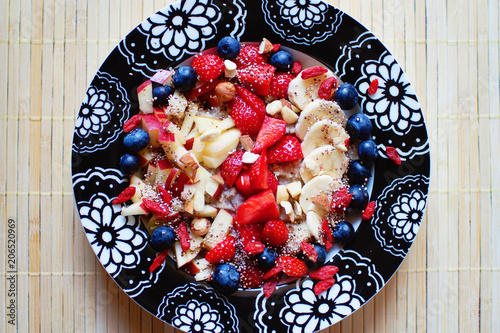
pixel 188 122
pixel 134 209
pixel 150 175
pixel 213 162
pixel 163 76
pixel 160 115
pixel 152 125
pixel 208 211
pixel 224 125
pixel 163 169
pixel 146 155
pixel 203 123
pixel 182 257
pixel 212 187
pixel 225 143
pixel 177 105
pixel 218 230
pixel 205 269
pixel 145 97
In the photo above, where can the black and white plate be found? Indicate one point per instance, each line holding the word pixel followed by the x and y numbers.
pixel 322 31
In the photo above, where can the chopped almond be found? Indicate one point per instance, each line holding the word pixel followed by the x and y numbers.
pixel 247 142
pixel 322 201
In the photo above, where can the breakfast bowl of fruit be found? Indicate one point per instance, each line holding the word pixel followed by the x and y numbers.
pixel 250 166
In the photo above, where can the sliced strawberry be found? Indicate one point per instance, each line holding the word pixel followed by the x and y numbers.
pixel 248 111
pixel 258 208
pixel 341 200
pixel 244 184
pixel 231 167
pixel 368 211
pixel 257 78
pixel 271 131
pixel 222 252
pixel 249 55
pixel 278 268
pixel 269 287
pixel 249 233
pixel 309 251
pixel 183 235
pixel 251 277
pixel 254 248
pixel 124 196
pixel 208 66
pixel 323 285
pixel 279 85
pixel 325 272
pixel 258 173
pixel 201 88
pixel 275 233
pixel 293 266
pixel 286 149
pixel 272 181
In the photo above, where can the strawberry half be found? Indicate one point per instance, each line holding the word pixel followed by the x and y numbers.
pixel 222 252
pixel 293 266
pixel 251 277
pixel 279 85
pixel 249 55
pixel 249 233
pixel 275 233
pixel 286 149
pixel 257 78
pixel 208 66
pixel 272 131
pixel 258 208
pixel 258 173
pixel 248 111
pixel 244 184
pixel 231 167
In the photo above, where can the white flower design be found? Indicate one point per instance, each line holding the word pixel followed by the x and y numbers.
pixel 303 13
pixel 182 27
pixel 406 215
pixel 394 105
pixel 115 239
pixel 195 317
pixel 94 112
pixel 306 312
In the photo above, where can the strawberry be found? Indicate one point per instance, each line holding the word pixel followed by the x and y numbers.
pixel 249 55
pixel 258 208
pixel 208 66
pixel 309 251
pixel 271 131
pixel 201 88
pixel 257 78
pixel 251 277
pixel 275 233
pixel 254 248
pixel 279 85
pixel 286 149
pixel 231 167
pixel 248 111
pixel 272 181
pixel 293 266
pixel 222 252
pixel 249 233
pixel 269 287
pixel 327 88
pixel 244 184
pixel 258 173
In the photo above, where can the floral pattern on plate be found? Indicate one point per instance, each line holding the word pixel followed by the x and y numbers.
pixel 104 110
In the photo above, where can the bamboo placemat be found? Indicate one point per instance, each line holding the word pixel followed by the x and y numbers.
pixel 50 51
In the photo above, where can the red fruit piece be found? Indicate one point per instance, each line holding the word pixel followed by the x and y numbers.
pixel 257 78
pixel 293 266
pixel 372 89
pixel 244 184
pixel 286 149
pixel 258 173
pixel 132 123
pixel 125 196
pixel 341 200
pixel 368 211
pixel 327 88
pixel 278 268
pixel 393 154
pixel 183 235
pixel 155 208
pixel 271 131
pixel 178 186
pixel 325 272
pixel 251 277
pixel 231 167
pixel 258 208
pixel 165 196
pixel 272 181
pixel 313 71
pixel 249 55
pixel 309 251
pixel 249 233
pixel 208 66
pixel 222 252
pixel 254 248
pixel 275 233
pixel 158 261
pixel 323 286
pixel 328 235
pixel 279 85
pixel 248 111
pixel 269 287
pixel 201 88
pixel 296 68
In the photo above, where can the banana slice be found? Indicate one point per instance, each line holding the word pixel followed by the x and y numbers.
pixel 318 110
pixel 314 223
pixel 318 185
pixel 324 132
pixel 302 92
pixel 324 160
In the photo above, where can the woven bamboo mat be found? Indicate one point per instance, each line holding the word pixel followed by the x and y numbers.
pixel 49 52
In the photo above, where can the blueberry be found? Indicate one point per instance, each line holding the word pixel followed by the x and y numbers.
pixel 320 261
pixel 367 151
pixel 161 95
pixel 130 164
pixel 137 139
pixel 226 278
pixel 282 60
pixel 184 78
pixel 359 126
pixel 359 198
pixel 228 48
pixel 357 173
pixel 267 259
pixel 346 96
pixel 162 238
pixel 343 232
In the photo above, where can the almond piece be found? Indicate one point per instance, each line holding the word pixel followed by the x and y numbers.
pixel 218 178
pixel 273 108
pixel 281 194
pixel 322 202
pixel 230 69
pixel 294 188
pixel 200 226
pixel 225 91
pixel 288 115
pixel 189 160
pixel 247 142
pixel 265 46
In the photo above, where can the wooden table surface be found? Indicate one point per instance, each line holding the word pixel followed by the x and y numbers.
pixel 50 51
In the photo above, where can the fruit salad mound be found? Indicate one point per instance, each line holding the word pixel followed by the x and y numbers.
pixel 243 166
